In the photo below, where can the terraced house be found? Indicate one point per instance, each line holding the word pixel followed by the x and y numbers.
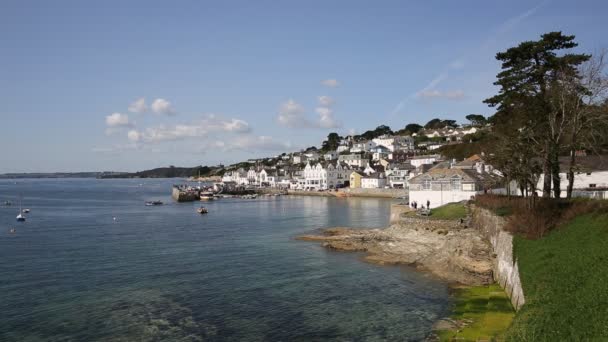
pixel 439 186
pixel 323 176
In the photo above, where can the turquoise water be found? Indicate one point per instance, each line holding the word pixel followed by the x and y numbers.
pixel 72 273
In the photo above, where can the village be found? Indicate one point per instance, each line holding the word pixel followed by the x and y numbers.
pixel 412 163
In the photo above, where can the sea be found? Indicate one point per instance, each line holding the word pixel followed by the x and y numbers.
pixel 93 263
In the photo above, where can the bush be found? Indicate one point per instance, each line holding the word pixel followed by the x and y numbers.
pixel 532 217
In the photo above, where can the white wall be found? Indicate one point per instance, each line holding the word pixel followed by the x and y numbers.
pixel 439 198
pixel 581 181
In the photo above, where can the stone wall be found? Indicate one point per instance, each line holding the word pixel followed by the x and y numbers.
pixel 387 193
pixel 506 270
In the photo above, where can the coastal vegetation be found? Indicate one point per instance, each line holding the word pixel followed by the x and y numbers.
pixel 564 279
pixel 451 211
pixel 479 313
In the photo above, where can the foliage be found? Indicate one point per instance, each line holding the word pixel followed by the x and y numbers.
pixel 168 172
pixel 476 119
pixel 450 211
pixel 461 151
pixel 564 281
pixel 487 308
pixel 409 129
pixel 332 142
pixel 534 218
pixel 524 117
pixel 368 135
pixel 437 123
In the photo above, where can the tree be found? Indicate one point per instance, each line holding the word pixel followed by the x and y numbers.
pixel 409 129
pixel 448 123
pixel 527 73
pixel 579 98
pixel 380 130
pixel 434 124
pixel 332 142
pixel 476 119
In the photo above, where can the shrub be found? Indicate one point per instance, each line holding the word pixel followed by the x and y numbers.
pixel 533 217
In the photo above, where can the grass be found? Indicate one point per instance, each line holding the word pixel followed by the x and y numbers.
pixel 451 211
pixel 565 282
pixel 488 311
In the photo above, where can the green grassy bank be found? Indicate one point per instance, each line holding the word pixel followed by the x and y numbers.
pixel 485 311
pixel 451 211
pixel 565 282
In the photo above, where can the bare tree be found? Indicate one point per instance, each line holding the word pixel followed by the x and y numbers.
pixel 578 103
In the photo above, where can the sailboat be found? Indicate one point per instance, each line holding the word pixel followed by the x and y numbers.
pixel 20 216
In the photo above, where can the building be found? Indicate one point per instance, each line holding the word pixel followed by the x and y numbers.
pixel 355 179
pixel 442 185
pixel 380 152
pixel 365 146
pixel 353 160
pixel 395 142
pixel 590 177
pixel 419 160
pixel 376 180
pixel 343 147
pixel 323 176
pixel 398 175
pixel 298 158
pixel 331 155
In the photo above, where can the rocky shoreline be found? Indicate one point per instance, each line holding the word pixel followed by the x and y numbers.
pixel 449 250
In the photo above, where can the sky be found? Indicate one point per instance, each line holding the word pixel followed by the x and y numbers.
pixel 133 85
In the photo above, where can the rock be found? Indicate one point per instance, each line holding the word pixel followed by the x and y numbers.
pixel 444 248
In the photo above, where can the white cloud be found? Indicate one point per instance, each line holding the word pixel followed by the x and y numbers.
pixel 326 101
pixel 291 114
pixel 134 135
pixel 209 125
pixel 162 106
pixel 138 106
pixel 436 94
pixel 326 118
pixel 118 120
pixel 332 83
pixel 250 143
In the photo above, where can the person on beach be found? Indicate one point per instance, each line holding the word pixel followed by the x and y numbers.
pixel 428 204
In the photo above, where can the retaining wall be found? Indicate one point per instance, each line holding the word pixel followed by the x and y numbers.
pixel 506 270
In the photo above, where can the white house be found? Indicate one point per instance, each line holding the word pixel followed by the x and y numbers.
pixel 252 176
pixel 398 175
pixel 419 160
pixel 328 176
pixel 298 158
pixel 369 170
pixel 239 177
pixel 331 155
pixel 353 160
pixel 440 186
pixel 375 180
pixel 590 177
pixel 395 142
pixel 343 147
pixel 380 152
pixel 363 146
pixel 311 155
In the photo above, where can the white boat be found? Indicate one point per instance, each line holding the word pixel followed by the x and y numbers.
pixel 202 210
pixel 20 216
pixel 26 210
pixel 207 196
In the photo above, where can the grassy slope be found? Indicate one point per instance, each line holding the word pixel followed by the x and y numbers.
pixel 451 211
pixel 487 308
pixel 565 280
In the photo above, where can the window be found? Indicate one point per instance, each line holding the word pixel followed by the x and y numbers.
pixel 455 182
pixel 426 184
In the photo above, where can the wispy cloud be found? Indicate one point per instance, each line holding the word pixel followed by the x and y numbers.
pixel 292 115
pixel 459 63
pixel 138 106
pixel 436 94
pixel 162 106
pixel 332 83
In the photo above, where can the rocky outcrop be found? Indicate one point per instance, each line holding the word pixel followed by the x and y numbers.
pixel 447 249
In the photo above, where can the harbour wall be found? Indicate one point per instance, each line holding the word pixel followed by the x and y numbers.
pixel 357 192
pixel 506 269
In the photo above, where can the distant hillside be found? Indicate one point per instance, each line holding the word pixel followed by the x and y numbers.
pixel 168 172
pixel 56 175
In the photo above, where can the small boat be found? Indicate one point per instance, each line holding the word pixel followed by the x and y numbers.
pixel 26 210
pixel 12 231
pixel 207 196
pixel 7 203
pixel 151 203
pixel 20 217
pixel 202 210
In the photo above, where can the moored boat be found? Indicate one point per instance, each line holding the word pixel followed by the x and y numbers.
pixel 151 203
pixel 202 210
pixel 207 196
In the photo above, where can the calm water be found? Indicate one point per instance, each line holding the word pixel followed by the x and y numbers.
pixel 72 273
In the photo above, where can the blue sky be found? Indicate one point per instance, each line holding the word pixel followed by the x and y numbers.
pixel 224 81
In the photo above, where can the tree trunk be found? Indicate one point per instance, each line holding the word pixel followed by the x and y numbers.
pixel 547 172
pixel 571 174
pixel 555 172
